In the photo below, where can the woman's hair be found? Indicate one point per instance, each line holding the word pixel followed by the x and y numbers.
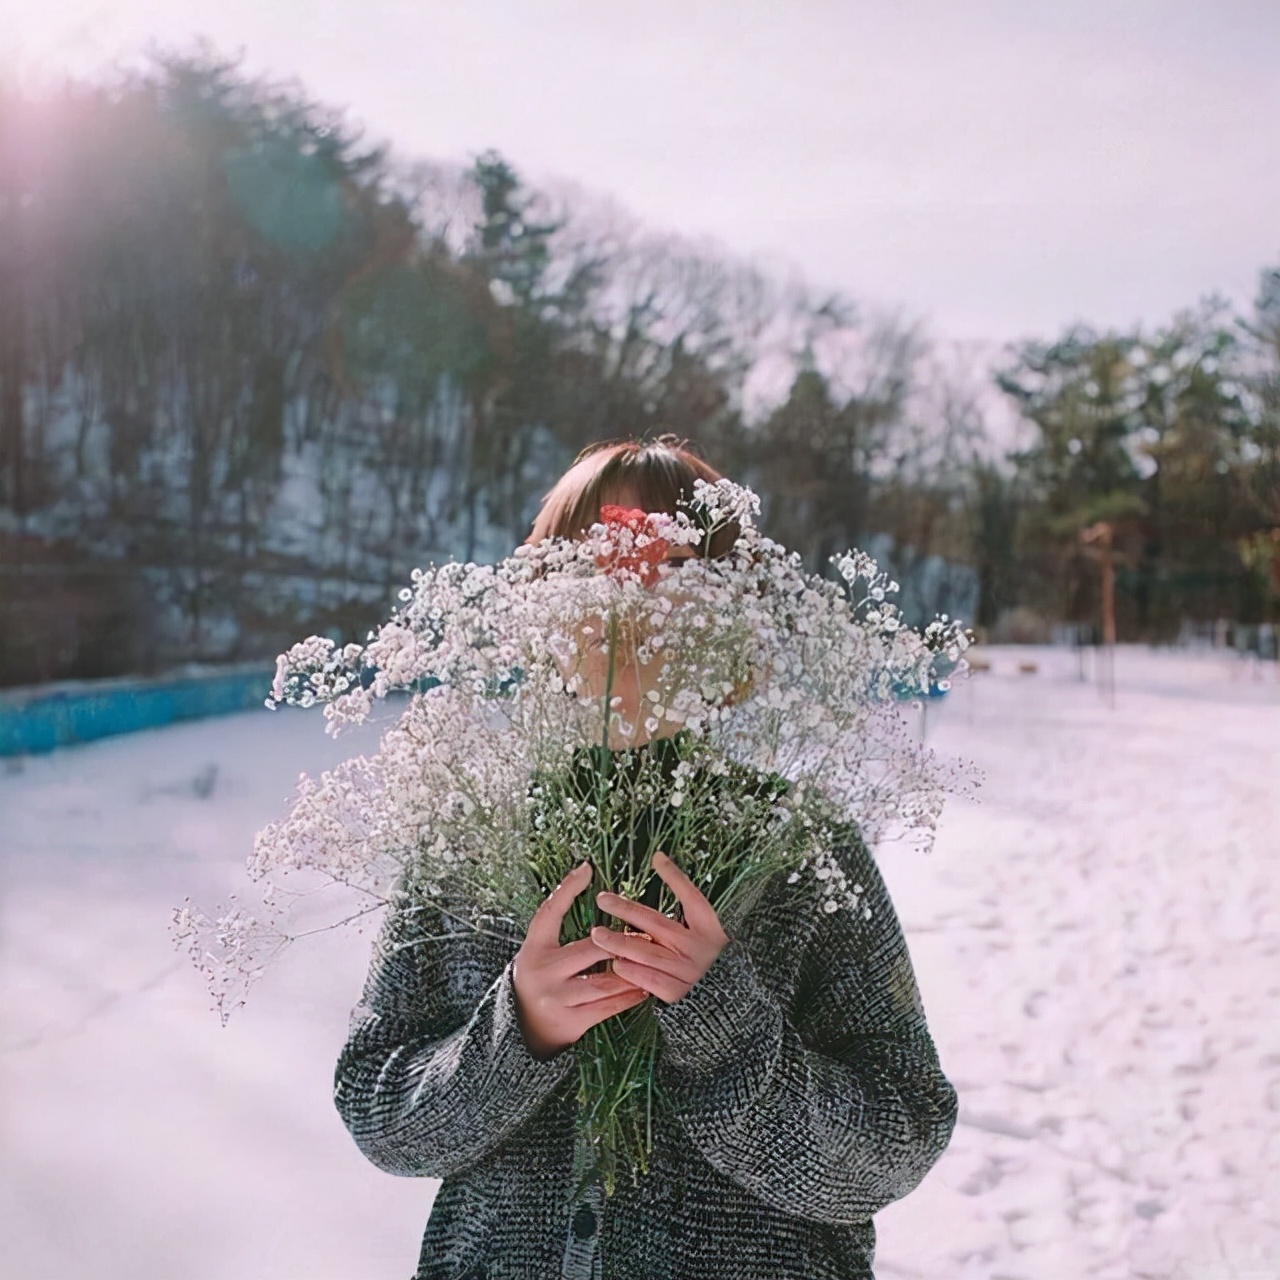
pixel 658 474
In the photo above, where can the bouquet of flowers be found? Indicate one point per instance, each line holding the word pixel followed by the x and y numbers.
pixel 603 698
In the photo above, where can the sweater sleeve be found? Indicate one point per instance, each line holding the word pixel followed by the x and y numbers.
pixel 435 1071
pixel 834 1107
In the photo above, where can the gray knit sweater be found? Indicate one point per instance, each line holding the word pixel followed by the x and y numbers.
pixel 808 1096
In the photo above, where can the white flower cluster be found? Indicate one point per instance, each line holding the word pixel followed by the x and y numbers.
pixel 232 950
pixel 834 883
pixel 517 672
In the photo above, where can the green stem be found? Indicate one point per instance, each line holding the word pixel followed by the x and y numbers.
pixel 606 759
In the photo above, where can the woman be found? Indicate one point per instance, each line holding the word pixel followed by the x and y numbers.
pixel 807 1089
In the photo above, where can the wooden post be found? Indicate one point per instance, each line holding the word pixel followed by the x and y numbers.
pixel 1108 584
pixel 1100 535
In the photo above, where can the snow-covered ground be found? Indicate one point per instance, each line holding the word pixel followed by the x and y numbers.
pixel 1096 939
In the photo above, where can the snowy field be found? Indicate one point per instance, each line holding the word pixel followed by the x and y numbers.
pixel 1097 941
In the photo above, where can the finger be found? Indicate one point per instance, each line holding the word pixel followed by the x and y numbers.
pixel 606 1008
pixel 544 927
pixel 632 947
pixel 698 912
pixel 591 987
pixel 573 957
pixel 663 929
pixel 667 988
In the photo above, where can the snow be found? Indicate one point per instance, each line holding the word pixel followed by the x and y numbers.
pixel 1095 939
pixel 1096 943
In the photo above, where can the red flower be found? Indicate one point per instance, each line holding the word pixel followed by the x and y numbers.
pixel 635 546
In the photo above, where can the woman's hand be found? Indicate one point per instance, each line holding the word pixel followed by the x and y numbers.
pixel 665 958
pixel 555 1000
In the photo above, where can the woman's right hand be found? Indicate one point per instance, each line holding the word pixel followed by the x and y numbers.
pixel 556 1000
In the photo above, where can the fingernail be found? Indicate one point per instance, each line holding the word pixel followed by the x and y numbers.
pixel 602 897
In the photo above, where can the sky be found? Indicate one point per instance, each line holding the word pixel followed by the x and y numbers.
pixel 999 167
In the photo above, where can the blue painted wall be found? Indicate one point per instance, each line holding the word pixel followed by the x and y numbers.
pixel 39 719
pixel 35 720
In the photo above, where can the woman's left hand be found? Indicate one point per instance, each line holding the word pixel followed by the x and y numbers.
pixel 666 957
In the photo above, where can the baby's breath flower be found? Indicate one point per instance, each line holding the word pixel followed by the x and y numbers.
pixel 781 689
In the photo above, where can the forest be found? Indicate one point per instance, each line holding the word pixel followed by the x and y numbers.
pixel 254 369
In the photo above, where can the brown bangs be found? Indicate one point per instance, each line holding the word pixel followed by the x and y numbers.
pixel 656 475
